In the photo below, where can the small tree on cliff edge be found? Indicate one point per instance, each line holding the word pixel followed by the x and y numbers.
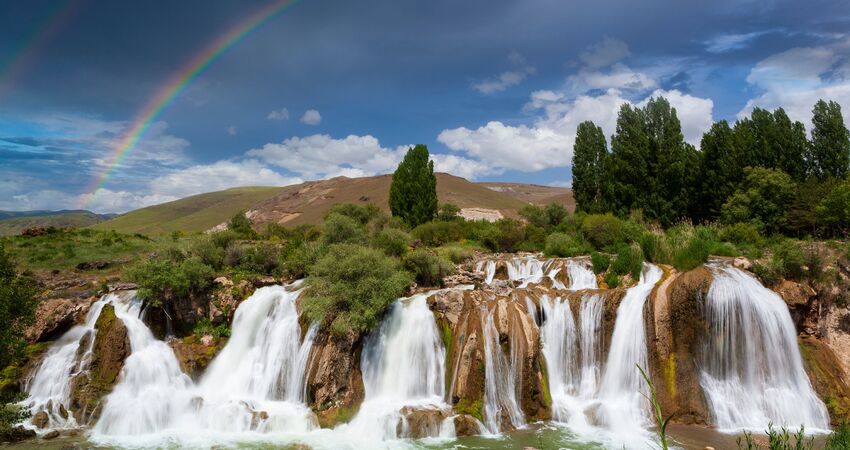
pixel 413 193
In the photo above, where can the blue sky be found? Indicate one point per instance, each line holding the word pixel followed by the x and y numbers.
pixel 494 88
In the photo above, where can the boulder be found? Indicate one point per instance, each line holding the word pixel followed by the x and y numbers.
pixel 55 316
pixel 41 419
pixel 418 423
pixel 194 355
pixel 827 376
pixel 466 425
pixel 334 382
pixel 16 434
pixel 110 348
pixel 51 435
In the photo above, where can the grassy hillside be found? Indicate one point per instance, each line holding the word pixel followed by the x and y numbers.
pixel 13 222
pixel 307 203
pixel 190 214
pixel 535 193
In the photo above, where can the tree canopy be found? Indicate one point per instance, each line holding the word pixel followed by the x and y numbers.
pixel 413 192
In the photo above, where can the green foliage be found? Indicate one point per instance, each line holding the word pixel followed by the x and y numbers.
pixel 720 171
pixel 297 261
pixel 350 288
pixel 612 280
pixel 204 327
pixel 339 229
pixel 11 413
pixel 413 192
pixel 590 154
pixel 600 262
pixel 742 234
pixel 503 235
pixel 439 232
pixel 629 260
pixel 660 421
pixel 839 439
pixel 363 214
pixel 455 253
pixel 241 224
pixel 544 218
pixel 18 300
pixel 604 231
pixel 788 260
pixel 803 218
pixel 701 242
pixel 428 268
pixel 391 241
pixel 448 211
pixel 773 141
pixel 656 247
pixel 162 280
pixel 762 200
pixel 833 212
pixel 564 245
pixel 830 147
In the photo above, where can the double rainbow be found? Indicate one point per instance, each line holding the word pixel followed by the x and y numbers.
pixel 176 84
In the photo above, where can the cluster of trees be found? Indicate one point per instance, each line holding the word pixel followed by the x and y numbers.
pixel 763 170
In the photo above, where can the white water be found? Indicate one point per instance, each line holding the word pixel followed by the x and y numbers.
pixel 528 270
pixel 753 373
pixel 50 386
pixel 580 277
pixel 501 382
pixel 623 409
pixel 403 366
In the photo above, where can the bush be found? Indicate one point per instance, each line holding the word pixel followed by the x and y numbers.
pixel 629 260
pixel 300 259
pixel 503 235
pixel 391 241
pixel 339 229
pixel 455 253
pixel 839 439
pixel 612 280
pixel 448 212
pixel 208 252
pixel 607 232
pixel 428 268
pixel 263 259
pixel 743 234
pixel 701 242
pixel 363 214
pixel 535 216
pixel 762 200
pixel 18 300
pixel 438 233
pixel 241 224
pixel 656 247
pixel 600 262
pixel 350 288
pixel 563 245
pixel 11 414
pixel 833 212
pixel 164 280
pixel 788 260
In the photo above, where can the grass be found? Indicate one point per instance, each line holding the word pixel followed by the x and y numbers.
pixel 63 219
pixel 190 214
pixel 657 416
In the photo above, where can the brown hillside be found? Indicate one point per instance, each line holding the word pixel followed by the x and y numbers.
pixel 535 193
pixel 308 202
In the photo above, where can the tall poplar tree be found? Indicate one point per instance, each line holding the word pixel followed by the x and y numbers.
pixel 589 155
pixel 413 192
pixel 829 156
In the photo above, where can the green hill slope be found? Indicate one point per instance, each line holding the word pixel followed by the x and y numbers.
pixel 196 213
pixel 13 222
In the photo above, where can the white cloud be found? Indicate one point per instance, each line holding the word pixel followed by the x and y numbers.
pixel 694 113
pixel 604 53
pixel 618 76
pixel 280 114
pixel 797 78
pixel 216 176
pixel 311 117
pixel 508 78
pixel 727 42
pixel 231 130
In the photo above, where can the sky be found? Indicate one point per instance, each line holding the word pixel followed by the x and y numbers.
pixel 327 88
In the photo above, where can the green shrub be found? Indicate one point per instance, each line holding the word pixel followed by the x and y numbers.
pixel 351 286
pixel 163 280
pixel 363 214
pixel 502 235
pixel 241 224
pixel 339 229
pixel 263 259
pixel 11 413
pixel 602 230
pixel 833 212
pixel 391 241
pixel 300 259
pixel 438 233
pixel 208 252
pixel 742 233
pixel 204 326
pixel 600 261
pixel 428 268
pixel 788 260
pixel 534 239
pixel 556 213
pixel 455 253
pixel 656 247
pixel 839 439
pixel 629 260
pixel 18 301
pixel 535 216
pixel 612 280
pixel 563 245
pixel 448 212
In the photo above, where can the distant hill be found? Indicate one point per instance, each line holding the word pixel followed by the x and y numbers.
pixel 13 222
pixel 307 203
pixel 535 193
pixel 196 213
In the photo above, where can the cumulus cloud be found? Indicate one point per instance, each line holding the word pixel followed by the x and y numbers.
pixel 280 114
pixel 618 76
pixel 520 71
pixel 797 78
pixel 311 117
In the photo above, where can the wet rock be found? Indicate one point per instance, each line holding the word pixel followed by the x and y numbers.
pixel 51 435
pixel 334 382
pixel 742 263
pixel 110 348
pixel 226 298
pixel 827 376
pixel 16 434
pixel 55 316
pixel 463 277
pixel 194 355
pixel 41 419
pixel 420 423
pixel 466 425
pixel 795 294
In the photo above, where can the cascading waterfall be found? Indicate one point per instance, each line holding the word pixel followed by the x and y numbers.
pixel 529 270
pixel 752 372
pixel 256 383
pixel 580 277
pixel 49 389
pixel 623 409
pixel 403 366
pixel 500 379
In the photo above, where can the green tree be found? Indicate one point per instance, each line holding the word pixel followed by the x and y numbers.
pixel 830 146
pixel 833 212
pixel 652 167
pixel 241 224
pixel 413 192
pixel 18 300
pixel 773 141
pixel 762 200
pixel 589 155
pixel 720 171
pixel 448 211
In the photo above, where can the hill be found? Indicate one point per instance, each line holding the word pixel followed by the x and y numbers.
pixel 307 203
pixel 535 193
pixel 196 213
pixel 13 222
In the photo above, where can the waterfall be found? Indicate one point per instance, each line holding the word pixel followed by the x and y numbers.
pixel 559 337
pixel 623 409
pixel 490 271
pixel 255 384
pixel 580 277
pixel 49 389
pixel 528 270
pixel 151 384
pixel 500 379
pixel 752 372
pixel 403 366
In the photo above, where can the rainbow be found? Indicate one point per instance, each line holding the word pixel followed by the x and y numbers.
pixel 26 53
pixel 176 84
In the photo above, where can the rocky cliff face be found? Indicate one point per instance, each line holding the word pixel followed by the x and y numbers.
pixel 334 382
